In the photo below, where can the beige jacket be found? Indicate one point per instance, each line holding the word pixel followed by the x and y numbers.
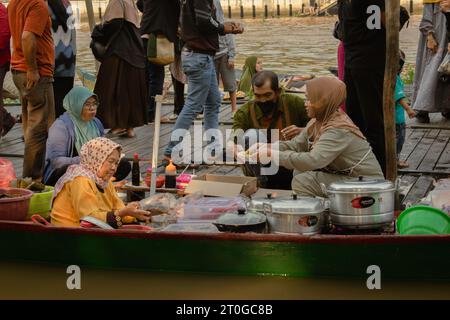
pixel 337 150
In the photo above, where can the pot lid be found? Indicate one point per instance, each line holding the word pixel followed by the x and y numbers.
pixel 257 204
pixel 300 205
pixel 361 184
pixel 241 218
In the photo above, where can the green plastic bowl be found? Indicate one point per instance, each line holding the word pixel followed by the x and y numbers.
pixel 41 203
pixel 423 220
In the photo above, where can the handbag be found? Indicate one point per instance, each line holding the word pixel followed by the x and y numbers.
pixel 160 50
pixel 99 40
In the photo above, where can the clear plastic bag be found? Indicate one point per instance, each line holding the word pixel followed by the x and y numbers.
pixel 163 203
pixel 440 196
pixel 7 173
pixel 197 207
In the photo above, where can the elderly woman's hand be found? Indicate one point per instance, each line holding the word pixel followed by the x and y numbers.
pixel 432 44
pixel 133 210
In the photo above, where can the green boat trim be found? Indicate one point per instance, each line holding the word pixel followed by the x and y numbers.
pixel 416 257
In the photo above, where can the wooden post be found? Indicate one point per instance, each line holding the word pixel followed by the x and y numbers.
pixel 90 13
pixel 411 7
pixel 91 18
pixel 390 75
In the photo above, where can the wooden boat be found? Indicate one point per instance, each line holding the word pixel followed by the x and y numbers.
pixel 417 257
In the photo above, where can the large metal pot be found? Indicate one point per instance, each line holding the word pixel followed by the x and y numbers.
pixel 300 215
pixel 361 203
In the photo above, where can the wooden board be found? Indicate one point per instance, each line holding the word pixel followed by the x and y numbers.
pixel 420 189
pixel 412 141
pixel 420 151
pixel 437 148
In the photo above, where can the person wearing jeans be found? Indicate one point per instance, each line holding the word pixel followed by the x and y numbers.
pixel 203 91
pixel 200 34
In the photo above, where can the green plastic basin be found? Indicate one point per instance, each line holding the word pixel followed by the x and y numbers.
pixel 41 203
pixel 423 220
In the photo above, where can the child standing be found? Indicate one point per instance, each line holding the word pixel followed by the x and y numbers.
pixel 401 105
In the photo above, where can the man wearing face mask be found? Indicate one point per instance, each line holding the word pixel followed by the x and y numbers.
pixel 271 108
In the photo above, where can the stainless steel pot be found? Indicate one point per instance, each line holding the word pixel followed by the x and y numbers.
pixel 300 215
pixel 361 203
pixel 257 204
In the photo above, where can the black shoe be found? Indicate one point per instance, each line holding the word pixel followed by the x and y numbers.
pixel 423 117
pixel 446 114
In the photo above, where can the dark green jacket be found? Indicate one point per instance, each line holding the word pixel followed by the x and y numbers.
pixel 291 107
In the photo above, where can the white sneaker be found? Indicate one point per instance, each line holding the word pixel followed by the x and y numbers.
pixel 173 116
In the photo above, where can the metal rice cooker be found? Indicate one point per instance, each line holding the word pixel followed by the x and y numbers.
pixel 300 215
pixel 361 203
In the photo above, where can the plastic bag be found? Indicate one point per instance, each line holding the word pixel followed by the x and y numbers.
pixel 7 173
pixel 440 196
pixel 159 203
pixel 178 211
pixel 197 207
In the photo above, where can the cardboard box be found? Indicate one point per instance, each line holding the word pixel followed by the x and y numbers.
pixel 215 185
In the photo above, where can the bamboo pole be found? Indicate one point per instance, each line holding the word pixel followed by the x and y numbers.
pixel 91 19
pixel 159 100
pixel 392 24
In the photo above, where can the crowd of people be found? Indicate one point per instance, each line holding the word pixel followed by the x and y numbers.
pixel 336 134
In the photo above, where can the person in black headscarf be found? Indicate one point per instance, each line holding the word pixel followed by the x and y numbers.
pixel 64 38
pixel 121 82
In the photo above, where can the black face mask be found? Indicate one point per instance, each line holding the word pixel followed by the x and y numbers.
pixel 267 107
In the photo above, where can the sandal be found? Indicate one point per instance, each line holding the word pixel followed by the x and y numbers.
pixel 130 133
pixel 116 133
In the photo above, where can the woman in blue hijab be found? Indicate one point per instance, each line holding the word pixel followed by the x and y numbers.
pixel 70 131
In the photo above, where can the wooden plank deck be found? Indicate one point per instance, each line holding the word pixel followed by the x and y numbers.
pixel 142 144
pixel 427 150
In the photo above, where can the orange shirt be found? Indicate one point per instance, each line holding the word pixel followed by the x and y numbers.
pixel 32 16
